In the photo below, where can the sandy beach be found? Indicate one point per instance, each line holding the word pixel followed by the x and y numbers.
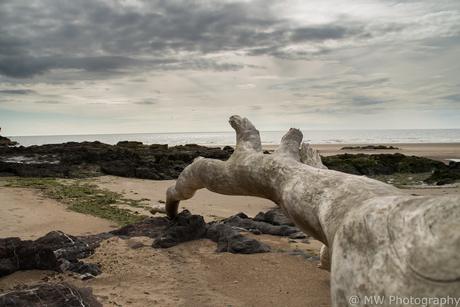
pixel 190 274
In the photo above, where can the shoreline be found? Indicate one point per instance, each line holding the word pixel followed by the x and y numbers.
pixel 436 151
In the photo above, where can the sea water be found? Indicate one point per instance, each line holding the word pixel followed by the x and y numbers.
pixel 267 137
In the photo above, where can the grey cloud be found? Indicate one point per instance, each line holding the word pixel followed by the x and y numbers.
pixel 18 92
pixel 453 97
pixel 29 66
pixel 108 37
pixel 157 33
pixel 147 101
pixel 24 66
pixel 318 33
pixel 361 101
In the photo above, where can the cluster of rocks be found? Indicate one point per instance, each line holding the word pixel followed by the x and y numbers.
pixel 6 142
pixel 63 252
pixel 126 159
pixel 187 227
pixel 381 164
pixel 388 164
pixel 55 251
pixel 369 147
pixel 445 176
pixel 161 162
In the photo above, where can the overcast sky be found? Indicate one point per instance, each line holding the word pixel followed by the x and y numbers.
pixel 133 66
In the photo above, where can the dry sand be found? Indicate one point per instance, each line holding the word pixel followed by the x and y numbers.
pixel 189 274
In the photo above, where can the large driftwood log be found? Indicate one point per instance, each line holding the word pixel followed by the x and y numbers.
pixel 380 241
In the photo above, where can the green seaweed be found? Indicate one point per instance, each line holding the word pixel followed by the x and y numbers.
pixel 403 180
pixel 84 197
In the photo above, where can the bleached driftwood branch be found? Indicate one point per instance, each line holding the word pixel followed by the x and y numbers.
pixel 381 242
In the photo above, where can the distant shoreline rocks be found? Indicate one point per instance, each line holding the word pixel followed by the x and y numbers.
pixel 370 147
pixel 162 162
pixel 88 159
pixel 4 142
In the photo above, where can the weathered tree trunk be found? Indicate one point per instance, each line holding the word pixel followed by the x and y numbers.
pixel 381 242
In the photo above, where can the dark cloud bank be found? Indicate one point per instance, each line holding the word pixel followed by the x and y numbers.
pixel 95 36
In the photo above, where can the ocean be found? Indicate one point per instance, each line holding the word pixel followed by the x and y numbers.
pixel 376 137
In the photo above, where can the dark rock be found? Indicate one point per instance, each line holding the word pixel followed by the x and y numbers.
pixel 445 181
pixel 16 254
pixel 54 251
pixel 187 227
pixel 381 164
pixel 183 228
pixel 130 144
pixel 126 159
pixel 82 268
pixel 446 176
pixel 5 142
pixel 35 170
pixel 122 168
pixel 454 165
pixel 59 251
pixel 69 247
pixel 229 240
pixel 274 216
pixel 369 147
pixel 51 295
pixel 263 227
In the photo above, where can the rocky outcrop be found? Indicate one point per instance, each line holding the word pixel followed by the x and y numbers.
pixel 51 295
pixel 160 162
pixel 381 164
pixel 445 176
pixel 230 240
pixel 55 251
pixel 16 254
pixel 60 251
pixel 5 142
pixel 268 226
pixel 187 227
pixel 126 159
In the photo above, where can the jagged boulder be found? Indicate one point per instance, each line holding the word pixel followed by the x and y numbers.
pixel 54 251
pixel 50 295
pixel 16 255
pixel 229 240
pixel 183 228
